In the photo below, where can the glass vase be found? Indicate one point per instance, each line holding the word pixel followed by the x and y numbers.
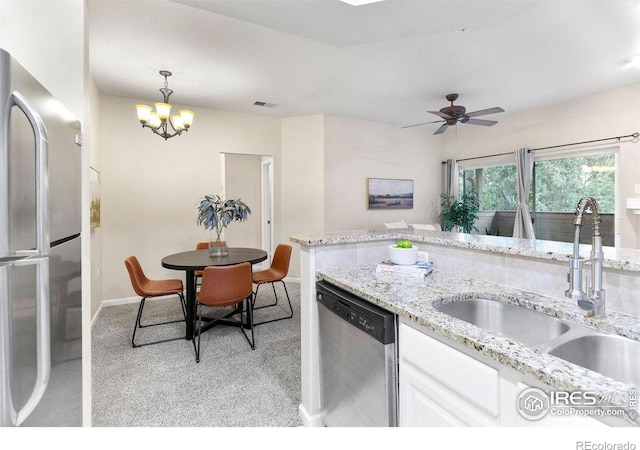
pixel 217 245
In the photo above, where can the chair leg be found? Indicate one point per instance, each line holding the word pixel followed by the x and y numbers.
pixel 197 349
pixel 255 298
pixel 252 341
pixel 290 314
pixel 183 304
pixel 138 323
pixel 184 313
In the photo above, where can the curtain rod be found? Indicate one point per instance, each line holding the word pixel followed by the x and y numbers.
pixel 634 135
pixel 481 157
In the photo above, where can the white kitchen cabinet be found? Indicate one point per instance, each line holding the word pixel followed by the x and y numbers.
pixel 440 385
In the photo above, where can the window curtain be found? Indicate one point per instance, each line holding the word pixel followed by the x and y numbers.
pixel 522 227
pixel 451 178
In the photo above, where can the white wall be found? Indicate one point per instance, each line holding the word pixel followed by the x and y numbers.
pixel 47 38
pixel 604 115
pixel 150 187
pixel 356 150
pixel 326 161
pixel 301 181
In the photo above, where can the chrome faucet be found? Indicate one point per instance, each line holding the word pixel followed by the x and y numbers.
pixel 593 300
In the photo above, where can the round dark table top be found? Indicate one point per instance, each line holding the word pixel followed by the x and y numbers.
pixel 199 259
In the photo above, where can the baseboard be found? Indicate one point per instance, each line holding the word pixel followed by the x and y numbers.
pixel 129 300
pixel 115 302
pixel 292 280
pixel 309 421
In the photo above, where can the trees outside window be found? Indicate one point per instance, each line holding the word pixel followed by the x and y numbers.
pixel 560 183
pixel 557 186
pixel 495 185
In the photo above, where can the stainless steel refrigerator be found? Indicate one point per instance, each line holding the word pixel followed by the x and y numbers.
pixel 40 277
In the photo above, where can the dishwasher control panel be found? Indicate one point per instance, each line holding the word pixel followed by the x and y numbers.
pixel 373 320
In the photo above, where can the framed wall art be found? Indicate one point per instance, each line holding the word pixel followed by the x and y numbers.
pixel 94 209
pixel 386 193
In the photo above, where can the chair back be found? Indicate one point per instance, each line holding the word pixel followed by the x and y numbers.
pixel 137 276
pixel 280 261
pixel 226 285
pixel 205 245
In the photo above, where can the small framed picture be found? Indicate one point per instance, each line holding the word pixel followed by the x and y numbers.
pixel 386 193
pixel 94 209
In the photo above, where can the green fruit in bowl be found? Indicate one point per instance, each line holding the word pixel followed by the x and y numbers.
pixel 404 244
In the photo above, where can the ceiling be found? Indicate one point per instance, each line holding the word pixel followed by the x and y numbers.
pixel 389 62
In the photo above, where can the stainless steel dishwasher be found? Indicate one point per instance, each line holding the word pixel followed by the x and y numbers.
pixel 358 360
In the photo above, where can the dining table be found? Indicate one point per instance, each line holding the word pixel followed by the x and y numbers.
pixel 193 260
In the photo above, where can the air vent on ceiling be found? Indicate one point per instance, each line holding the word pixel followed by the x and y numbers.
pixel 264 104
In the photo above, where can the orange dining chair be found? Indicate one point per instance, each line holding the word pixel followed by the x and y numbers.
pixel 146 289
pixel 203 246
pixel 275 273
pixel 224 286
pixel 198 273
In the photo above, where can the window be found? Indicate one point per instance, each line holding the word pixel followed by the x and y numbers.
pixel 496 186
pixel 558 183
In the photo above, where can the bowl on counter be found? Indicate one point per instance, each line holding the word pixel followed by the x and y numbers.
pixel 403 256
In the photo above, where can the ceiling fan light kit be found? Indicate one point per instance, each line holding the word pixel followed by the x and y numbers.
pixel 454 114
pixel 161 119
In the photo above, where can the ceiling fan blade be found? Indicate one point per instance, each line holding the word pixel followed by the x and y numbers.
pixel 441 129
pixel 486 123
pixel 483 112
pixel 419 124
pixel 439 114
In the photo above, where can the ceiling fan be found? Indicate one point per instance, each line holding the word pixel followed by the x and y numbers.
pixel 453 114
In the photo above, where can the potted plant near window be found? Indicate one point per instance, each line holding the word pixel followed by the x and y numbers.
pixel 215 214
pixel 460 214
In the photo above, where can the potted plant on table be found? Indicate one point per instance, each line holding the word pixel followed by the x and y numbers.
pixel 460 213
pixel 215 214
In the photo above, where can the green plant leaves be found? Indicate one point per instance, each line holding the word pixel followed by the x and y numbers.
pixel 216 213
pixel 462 213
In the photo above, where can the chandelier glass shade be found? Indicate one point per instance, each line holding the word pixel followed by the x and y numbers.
pixel 160 121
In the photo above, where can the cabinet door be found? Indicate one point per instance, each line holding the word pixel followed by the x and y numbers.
pixel 425 402
pixel 474 382
pixel 417 409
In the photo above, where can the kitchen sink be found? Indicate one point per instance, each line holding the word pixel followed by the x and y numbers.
pixel 612 356
pixel 523 325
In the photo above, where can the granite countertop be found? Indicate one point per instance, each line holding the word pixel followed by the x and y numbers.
pixel 413 299
pixel 616 258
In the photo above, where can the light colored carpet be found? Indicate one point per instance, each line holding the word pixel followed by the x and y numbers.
pixel 161 385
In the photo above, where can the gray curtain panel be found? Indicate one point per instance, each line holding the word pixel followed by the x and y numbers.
pixel 451 178
pixel 522 227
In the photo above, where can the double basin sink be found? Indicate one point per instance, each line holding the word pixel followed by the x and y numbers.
pixel 610 355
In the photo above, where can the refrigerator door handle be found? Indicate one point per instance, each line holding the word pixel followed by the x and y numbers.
pixel 43 338
pixel 42 176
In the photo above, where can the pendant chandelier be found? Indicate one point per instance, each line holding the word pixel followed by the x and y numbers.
pixel 160 121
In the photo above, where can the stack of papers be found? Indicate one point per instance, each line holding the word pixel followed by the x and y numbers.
pixel 419 270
